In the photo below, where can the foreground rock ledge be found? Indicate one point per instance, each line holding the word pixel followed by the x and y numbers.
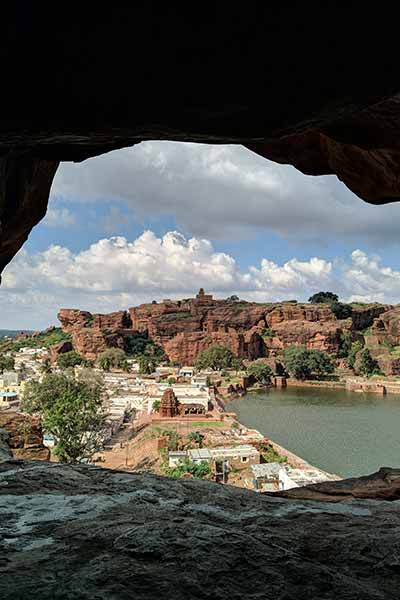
pixel 82 532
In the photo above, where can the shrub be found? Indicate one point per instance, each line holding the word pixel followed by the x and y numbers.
pixel 304 364
pixel 368 366
pixel 112 358
pixel 69 359
pixel 341 311
pixel 196 437
pixel 267 332
pixel 260 371
pixel 6 363
pixel 354 349
pixel 216 358
pixel 197 470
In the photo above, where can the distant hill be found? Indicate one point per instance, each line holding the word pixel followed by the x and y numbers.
pixel 13 332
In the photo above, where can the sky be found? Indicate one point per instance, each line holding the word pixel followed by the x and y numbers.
pixel 161 219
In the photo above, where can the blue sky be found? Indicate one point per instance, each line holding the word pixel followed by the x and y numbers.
pixel 242 225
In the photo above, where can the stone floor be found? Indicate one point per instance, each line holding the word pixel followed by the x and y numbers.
pixel 88 533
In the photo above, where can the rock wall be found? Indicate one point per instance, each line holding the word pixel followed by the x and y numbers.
pixel 82 532
pixel 183 328
pixel 25 437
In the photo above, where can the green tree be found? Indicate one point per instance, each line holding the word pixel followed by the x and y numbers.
pixel 340 310
pixel 216 358
pixel 368 366
pixel 69 359
pixel 156 405
pixel 46 366
pixel 197 470
pixel 6 363
pixel 112 358
pixel 320 363
pixel 260 371
pixel 146 365
pixel 345 344
pixel 305 364
pixel 196 437
pixel 351 357
pixel 323 297
pixel 71 412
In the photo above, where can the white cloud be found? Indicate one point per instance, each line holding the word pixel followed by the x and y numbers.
pixel 223 192
pixel 116 273
pixel 58 217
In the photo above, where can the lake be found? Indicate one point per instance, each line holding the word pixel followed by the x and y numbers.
pixel 341 432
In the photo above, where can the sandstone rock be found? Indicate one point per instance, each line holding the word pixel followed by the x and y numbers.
pixel 25 438
pixel 5 452
pixel 60 348
pixel 82 532
pixel 299 312
pixel 382 485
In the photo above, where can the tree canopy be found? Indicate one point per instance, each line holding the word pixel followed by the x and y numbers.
pixel 112 358
pixel 260 371
pixel 6 363
pixel 215 357
pixel 323 297
pixel 368 366
pixel 69 359
pixel 71 411
pixel 305 364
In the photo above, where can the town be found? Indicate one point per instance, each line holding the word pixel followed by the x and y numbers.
pixel 172 420
pixel 164 374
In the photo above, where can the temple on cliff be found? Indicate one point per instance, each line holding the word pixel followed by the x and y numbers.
pixel 204 298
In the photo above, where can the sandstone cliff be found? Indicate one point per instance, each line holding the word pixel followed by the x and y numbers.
pixel 183 328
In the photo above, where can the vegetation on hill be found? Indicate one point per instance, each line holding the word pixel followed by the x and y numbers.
pixel 368 366
pixel 216 358
pixel 352 354
pixel 12 333
pixel 71 411
pixel 323 297
pixel 6 363
pixel 44 339
pixel 145 351
pixel 112 358
pixel 341 310
pixel 307 364
pixel 69 359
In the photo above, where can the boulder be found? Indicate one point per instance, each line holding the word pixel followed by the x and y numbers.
pixel 83 532
pixel 382 485
pixel 25 437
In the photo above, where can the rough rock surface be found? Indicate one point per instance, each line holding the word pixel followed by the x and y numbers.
pixel 383 485
pixel 25 437
pixel 84 532
pixel 5 452
pixel 60 348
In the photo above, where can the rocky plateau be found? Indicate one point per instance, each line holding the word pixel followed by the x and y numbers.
pixel 183 328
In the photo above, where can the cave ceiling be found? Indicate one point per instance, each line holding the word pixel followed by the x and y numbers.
pixel 312 85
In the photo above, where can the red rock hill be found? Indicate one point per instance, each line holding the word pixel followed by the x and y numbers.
pixel 185 327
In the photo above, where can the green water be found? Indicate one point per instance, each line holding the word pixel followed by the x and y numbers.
pixel 342 432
